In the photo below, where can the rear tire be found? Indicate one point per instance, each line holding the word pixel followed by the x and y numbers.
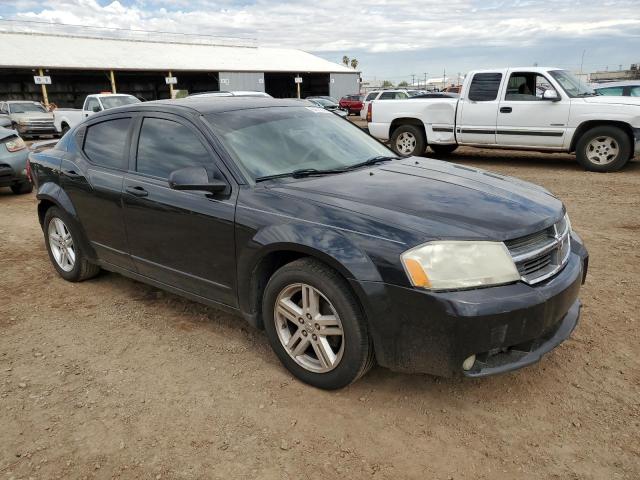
pixel 408 140
pixel 64 247
pixel 603 149
pixel 315 356
pixel 22 188
pixel 443 149
pixel 64 129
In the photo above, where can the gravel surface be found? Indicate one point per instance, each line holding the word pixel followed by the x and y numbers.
pixel 114 379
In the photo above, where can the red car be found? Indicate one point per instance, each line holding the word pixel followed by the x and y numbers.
pixel 351 103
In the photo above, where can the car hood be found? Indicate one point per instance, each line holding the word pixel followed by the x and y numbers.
pixel 611 100
pixel 29 116
pixel 437 199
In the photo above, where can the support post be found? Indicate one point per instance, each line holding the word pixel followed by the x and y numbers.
pixel 112 77
pixel 298 87
pixel 171 87
pixel 45 97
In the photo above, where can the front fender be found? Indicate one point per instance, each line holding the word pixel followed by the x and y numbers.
pixel 335 248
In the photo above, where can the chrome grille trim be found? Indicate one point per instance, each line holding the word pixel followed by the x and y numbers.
pixel 543 254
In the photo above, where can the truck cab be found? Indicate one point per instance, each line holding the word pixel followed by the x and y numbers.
pixel 66 118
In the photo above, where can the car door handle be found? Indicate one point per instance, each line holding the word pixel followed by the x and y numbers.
pixel 506 109
pixel 71 174
pixel 137 191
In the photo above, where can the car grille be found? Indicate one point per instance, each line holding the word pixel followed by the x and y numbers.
pixel 543 254
pixel 40 123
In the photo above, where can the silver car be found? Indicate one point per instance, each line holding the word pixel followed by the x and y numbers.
pixel 30 119
pixel 13 162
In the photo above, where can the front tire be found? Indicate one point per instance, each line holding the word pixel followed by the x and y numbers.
pixel 408 140
pixel 316 326
pixel 603 149
pixel 22 188
pixel 65 250
pixel 443 149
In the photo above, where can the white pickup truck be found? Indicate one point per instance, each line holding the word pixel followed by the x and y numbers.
pixel 65 118
pixel 530 108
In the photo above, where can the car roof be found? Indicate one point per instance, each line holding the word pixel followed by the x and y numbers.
pixel 21 101
pixel 210 104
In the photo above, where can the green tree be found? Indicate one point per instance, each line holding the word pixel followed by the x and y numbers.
pixel 387 84
pixel 345 60
pixel 403 84
pixel 354 63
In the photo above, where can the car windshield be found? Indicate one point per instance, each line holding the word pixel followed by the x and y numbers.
pixel 572 85
pixel 26 107
pixel 118 101
pixel 280 140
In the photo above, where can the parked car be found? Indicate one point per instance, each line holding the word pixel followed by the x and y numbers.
pixel 66 118
pixel 629 88
pixel 309 228
pixel 29 119
pixel 237 93
pixel 326 97
pixel 327 105
pixel 13 162
pixel 382 95
pixel 352 104
pixel 501 108
pixel 452 89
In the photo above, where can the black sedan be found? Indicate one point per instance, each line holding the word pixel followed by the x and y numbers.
pixel 311 229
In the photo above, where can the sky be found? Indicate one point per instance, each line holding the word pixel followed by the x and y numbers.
pixel 392 39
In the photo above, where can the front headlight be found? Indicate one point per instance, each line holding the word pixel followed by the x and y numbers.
pixel 448 265
pixel 15 144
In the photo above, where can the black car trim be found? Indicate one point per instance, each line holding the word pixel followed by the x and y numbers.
pixel 510 132
pixel 443 129
pixel 477 131
pixel 321 224
pixel 180 272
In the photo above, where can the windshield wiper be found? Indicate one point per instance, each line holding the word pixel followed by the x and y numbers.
pixel 303 172
pixel 372 161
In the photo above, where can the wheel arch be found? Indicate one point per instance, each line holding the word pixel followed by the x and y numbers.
pixel 399 122
pixel 589 124
pixel 254 271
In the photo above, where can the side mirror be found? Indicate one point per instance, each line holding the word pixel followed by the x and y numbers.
pixel 195 179
pixel 551 95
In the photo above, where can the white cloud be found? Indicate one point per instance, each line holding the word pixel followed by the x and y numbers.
pixel 373 26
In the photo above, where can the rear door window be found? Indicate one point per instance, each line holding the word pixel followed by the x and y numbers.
pixel 165 145
pixel 484 87
pixel 613 91
pixel 371 96
pixel 105 143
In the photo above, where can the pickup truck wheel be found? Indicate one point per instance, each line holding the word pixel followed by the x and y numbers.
pixel 23 187
pixel 443 149
pixel 408 140
pixel 65 128
pixel 64 248
pixel 315 325
pixel 603 149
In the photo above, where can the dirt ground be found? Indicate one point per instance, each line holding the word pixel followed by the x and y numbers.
pixel 114 379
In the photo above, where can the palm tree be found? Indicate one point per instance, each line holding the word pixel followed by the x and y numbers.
pixel 354 63
pixel 345 60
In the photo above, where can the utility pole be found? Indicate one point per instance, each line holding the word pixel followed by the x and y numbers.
pixel 582 61
pixel 425 80
pixel 45 97
pixel 413 79
pixel 171 95
pixel 444 77
pixel 112 78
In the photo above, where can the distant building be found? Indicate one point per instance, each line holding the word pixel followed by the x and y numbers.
pixel 633 73
pixel 85 60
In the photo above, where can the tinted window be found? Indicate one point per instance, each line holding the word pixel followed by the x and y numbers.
pixel 165 146
pixel 613 91
pixel 484 87
pixel 93 105
pixel 635 91
pixel 371 96
pixel 393 96
pixel 105 142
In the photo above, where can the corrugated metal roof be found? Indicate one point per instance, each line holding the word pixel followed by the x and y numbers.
pixel 31 50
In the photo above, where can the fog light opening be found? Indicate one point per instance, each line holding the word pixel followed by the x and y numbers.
pixel 468 363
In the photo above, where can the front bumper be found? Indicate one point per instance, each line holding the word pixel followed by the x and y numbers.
pixel 506 327
pixel 13 168
pixel 35 130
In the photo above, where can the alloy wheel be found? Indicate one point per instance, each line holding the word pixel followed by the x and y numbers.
pixel 309 328
pixel 61 244
pixel 602 150
pixel 406 143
